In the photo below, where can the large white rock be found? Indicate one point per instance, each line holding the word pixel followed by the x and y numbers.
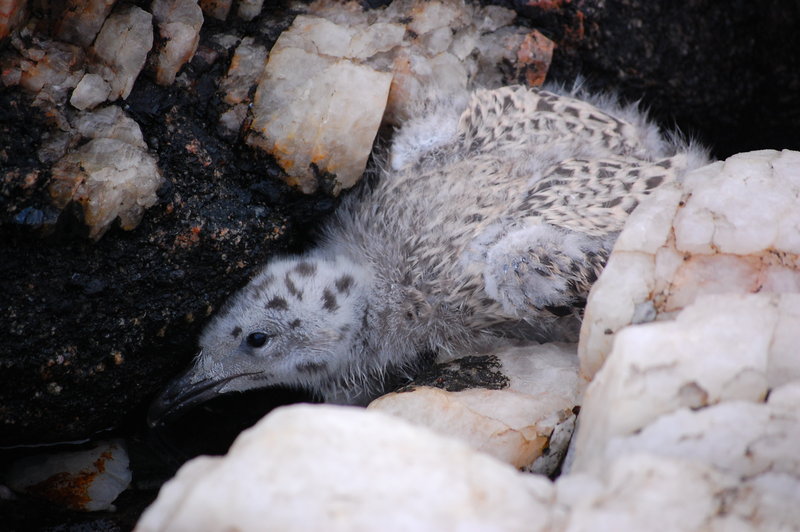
pixel 739 437
pixel 643 491
pixel 342 468
pixel 517 423
pixel 693 417
pixel 319 110
pixel 729 227
pixel 718 349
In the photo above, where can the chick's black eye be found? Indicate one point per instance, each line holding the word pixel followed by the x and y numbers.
pixel 257 339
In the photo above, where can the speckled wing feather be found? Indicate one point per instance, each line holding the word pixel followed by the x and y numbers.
pixel 595 197
pixel 499 119
pixel 554 246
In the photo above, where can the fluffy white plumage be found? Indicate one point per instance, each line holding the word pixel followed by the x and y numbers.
pixel 494 217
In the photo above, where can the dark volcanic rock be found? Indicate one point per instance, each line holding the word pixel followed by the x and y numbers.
pixel 93 329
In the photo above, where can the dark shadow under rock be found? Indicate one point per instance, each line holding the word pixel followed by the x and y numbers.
pixel 727 73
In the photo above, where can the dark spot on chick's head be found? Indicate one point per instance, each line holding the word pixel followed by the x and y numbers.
pixel 343 284
pixel 329 301
pixel 292 288
pixel 277 303
pixel 306 269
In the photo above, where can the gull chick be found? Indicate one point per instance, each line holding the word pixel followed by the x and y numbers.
pixel 492 219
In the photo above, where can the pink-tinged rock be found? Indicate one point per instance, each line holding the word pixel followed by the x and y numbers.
pixel 122 47
pixel 42 65
pixel 12 15
pixel 81 20
pixel 731 227
pixel 179 23
pixel 534 56
pixel 216 8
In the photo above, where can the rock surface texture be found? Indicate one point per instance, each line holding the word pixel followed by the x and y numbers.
pixel 363 469
pixel 731 227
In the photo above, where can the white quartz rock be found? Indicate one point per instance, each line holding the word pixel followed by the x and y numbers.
pixel 720 348
pixel 320 36
pixel 82 480
pixel 318 110
pixel 110 122
pixel 91 91
pixel 179 23
pixel 81 20
pixel 516 423
pixel 729 227
pixel 43 66
pixel 336 468
pixel 492 18
pixel 249 9
pixel 729 466
pixel 230 121
pixel 743 438
pixel 245 69
pixel 12 15
pixel 122 46
pixel 111 179
pixel 643 492
pixel 748 204
pixel 430 16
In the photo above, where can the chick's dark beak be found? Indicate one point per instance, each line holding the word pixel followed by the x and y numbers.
pixel 184 392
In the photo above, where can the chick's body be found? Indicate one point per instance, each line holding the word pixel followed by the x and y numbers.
pixel 493 220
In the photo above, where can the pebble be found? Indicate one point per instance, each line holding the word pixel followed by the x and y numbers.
pixel 516 423
pixel 88 480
